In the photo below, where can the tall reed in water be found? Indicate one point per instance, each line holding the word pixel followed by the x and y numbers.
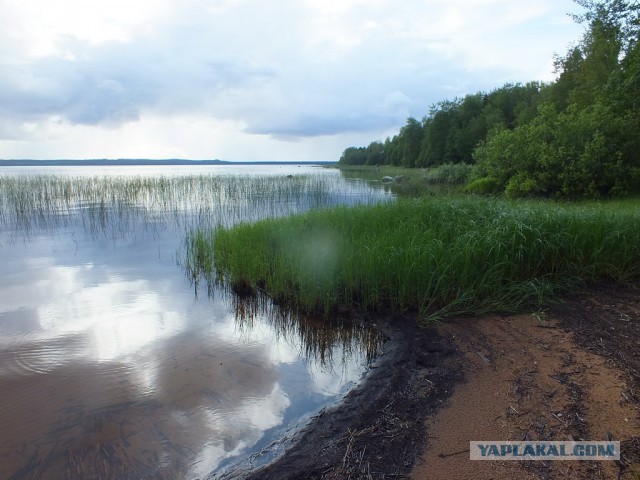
pixel 114 204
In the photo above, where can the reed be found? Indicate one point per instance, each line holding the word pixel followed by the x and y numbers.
pixel 412 182
pixel 116 204
pixel 439 256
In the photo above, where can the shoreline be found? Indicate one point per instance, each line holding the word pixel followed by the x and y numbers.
pixel 438 387
pixel 379 418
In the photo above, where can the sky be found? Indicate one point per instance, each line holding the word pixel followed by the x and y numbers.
pixel 291 80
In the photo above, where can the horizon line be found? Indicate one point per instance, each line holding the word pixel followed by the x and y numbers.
pixel 151 161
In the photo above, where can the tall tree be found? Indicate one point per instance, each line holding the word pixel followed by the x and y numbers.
pixel 437 133
pixel 375 153
pixel 411 135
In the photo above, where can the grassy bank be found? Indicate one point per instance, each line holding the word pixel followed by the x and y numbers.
pixel 413 182
pixel 438 255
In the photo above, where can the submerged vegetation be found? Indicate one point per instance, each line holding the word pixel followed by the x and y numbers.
pixel 439 256
pixel 320 339
pixel 116 205
pixel 132 206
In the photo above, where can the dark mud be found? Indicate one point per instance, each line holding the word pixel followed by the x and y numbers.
pixel 378 430
pixel 578 346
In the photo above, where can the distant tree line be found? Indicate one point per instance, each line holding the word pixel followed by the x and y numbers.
pixel 576 137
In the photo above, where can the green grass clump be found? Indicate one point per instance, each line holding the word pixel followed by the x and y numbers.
pixel 411 182
pixel 483 186
pixel 449 174
pixel 438 255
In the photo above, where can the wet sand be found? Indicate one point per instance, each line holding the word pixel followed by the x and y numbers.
pixel 572 372
pixel 527 380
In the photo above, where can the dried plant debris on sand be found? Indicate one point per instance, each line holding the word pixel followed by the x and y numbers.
pixel 568 373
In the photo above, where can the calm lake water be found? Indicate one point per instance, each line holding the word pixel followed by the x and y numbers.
pixel 115 363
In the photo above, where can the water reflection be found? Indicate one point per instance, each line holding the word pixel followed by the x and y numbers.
pixel 118 206
pixel 191 410
pixel 110 368
pixel 320 338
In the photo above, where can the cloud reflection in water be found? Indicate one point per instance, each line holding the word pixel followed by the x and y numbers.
pixel 109 366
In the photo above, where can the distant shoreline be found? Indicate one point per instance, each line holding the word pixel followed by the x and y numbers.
pixel 142 162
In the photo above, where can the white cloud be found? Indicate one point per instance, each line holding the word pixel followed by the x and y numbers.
pixel 241 78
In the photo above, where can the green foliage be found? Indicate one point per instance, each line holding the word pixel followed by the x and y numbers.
pixel 354 156
pixel 575 138
pixel 411 135
pixel 375 153
pixel 452 129
pixel 449 174
pixel 439 255
pixel 437 127
pixel 574 154
pixel 483 186
pixel 583 143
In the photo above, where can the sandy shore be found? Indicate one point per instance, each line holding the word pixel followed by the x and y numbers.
pixel 528 381
pixel 571 372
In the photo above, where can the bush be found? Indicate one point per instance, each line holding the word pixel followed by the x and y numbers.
pixel 483 186
pixel 574 154
pixel 449 174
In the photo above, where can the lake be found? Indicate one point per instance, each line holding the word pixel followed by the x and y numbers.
pixel 117 361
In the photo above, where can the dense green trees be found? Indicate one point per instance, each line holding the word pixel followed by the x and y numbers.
pixel 584 140
pixel 575 153
pixel 451 131
pixel 576 137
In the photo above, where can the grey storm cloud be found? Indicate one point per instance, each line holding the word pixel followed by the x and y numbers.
pixel 249 72
pixel 115 84
pixel 291 70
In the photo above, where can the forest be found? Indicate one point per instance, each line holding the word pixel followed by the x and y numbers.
pixel 576 137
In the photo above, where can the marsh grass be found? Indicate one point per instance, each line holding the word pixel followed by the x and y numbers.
pixel 413 182
pixel 439 256
pixel 449 174
pixel 117 205
pixel 125 206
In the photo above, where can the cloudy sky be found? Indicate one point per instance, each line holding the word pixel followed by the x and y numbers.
pixel 249 79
